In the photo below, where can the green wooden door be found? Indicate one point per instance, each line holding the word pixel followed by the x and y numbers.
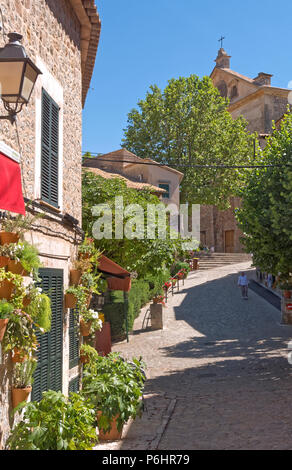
pixel 48 375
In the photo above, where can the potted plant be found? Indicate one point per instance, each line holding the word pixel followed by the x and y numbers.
pixel 6 310
pixel 20 337
pixel 87 354
pixel 89 322
pixel 11 287
pixel 115 388
pixel 285 284
pixel 159 299
pixel 4 256
pixel 38 306
pixel 23 258
pixel 76 297
pixel 14 227
pixel 55 422
pixel 22 381
pixel 86 249
pixel 167 285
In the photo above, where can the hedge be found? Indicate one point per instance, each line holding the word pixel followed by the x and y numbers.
pixel 142 291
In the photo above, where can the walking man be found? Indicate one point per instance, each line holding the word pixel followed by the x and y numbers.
pixel 243 283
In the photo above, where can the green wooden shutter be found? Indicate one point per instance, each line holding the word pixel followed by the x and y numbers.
pixel 48 375
pixel 74 384
pixel 73 338
pixel 50 150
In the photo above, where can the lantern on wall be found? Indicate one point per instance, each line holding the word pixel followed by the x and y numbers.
pixel 18 75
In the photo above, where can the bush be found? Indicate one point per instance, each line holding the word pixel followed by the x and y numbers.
pixel 178 266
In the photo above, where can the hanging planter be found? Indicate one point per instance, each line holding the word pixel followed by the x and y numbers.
pixel 85 327
pixel 70 301
pixel 19 395
pixel 16 267
pixel 113 434
pixel 6 289
pixel 26 301
pixel 116 283
pixel 3 325
pixel 3 261
pixel 8 237
pixel 75 276
pixel 18 356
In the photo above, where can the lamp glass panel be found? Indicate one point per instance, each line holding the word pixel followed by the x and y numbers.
pixel 30 77
pixel 10 79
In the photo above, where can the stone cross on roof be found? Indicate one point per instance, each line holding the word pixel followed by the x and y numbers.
pixel 221 40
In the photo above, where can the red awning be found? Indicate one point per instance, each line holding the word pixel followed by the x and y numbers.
pixel 11 198
pixel 119 278
pixel 107 266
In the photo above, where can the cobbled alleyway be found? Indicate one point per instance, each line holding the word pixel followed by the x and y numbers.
pixel 218 374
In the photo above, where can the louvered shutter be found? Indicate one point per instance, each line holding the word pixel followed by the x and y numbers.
pixel 74 384
pixel 48 375
pixel 73 338
pixel 50 150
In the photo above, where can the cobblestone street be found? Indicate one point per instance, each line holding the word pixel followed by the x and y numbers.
pixel 218 374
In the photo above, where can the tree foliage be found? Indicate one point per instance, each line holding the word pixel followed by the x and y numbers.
pixel 266 213
pixel 186 124
pixel 142 255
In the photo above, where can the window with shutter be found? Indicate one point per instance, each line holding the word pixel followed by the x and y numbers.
pixel 50 150
pixel 74 384
pixel 73 338
pixel 48 375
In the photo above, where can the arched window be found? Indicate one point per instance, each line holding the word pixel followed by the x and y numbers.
pixel 234 92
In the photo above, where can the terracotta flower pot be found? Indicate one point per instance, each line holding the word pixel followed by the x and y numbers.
pixel 84 359
pixel 89 300
pixel 84 256
pixel 19 395
pixel 113 434
pixel 157 300
pixel 6 289
pixel 85 328
pixel 18 356
pixel 3 325
pixel 70 301
pixel 287 294
pixel 26 301
pixel 16 267
pixel 8 237
pixel 75 276
pixel 3 261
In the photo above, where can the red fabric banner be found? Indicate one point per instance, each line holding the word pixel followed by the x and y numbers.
pixel 11 198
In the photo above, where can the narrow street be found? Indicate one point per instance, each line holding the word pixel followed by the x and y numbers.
pixel 218 374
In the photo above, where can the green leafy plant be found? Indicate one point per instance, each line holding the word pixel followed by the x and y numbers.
pixel 21 333
pixel 6 309
pixel 26 254
pixel 19 224
pixel 39 307
pixel 18 287
pixel 115 387
pixel 22 376
pixel 87 247
pixel 55 423
pixel 81 293
pixel 90 281
pixel 89 352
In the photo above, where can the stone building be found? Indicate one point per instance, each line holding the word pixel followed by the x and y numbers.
pixel 260 104
pixel 61 37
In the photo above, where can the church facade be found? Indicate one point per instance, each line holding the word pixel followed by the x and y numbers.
pixel 260 104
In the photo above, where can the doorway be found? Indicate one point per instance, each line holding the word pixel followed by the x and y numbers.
pixel 229 241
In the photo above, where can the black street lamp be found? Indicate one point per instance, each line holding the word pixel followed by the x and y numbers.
pixel 18 75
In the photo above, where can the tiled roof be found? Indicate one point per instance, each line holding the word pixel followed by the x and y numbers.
pixel 130 183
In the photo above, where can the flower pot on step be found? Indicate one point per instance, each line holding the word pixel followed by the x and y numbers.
pixel 3 261
pixel 75 276
pixel 16 267
pixel 19 395
pixel 6 289
pixel 3 325
pixel 70 301
pixel 113 434
pixel 85 328
pixel 8 237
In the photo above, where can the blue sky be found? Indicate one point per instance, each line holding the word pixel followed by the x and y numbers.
pixel 150 41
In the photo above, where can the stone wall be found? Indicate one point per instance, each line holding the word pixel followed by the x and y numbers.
pixel 51 36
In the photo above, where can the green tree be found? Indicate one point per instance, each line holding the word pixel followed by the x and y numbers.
pixel 186 124
pixel 142 255
pixel 266 213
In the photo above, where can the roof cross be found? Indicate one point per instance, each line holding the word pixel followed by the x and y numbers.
pixel 221 40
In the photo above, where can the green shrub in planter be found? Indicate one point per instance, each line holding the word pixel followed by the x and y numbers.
pixel 55 423
pixel 115 388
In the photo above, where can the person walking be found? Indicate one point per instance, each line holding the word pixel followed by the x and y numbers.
pixel 243 284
